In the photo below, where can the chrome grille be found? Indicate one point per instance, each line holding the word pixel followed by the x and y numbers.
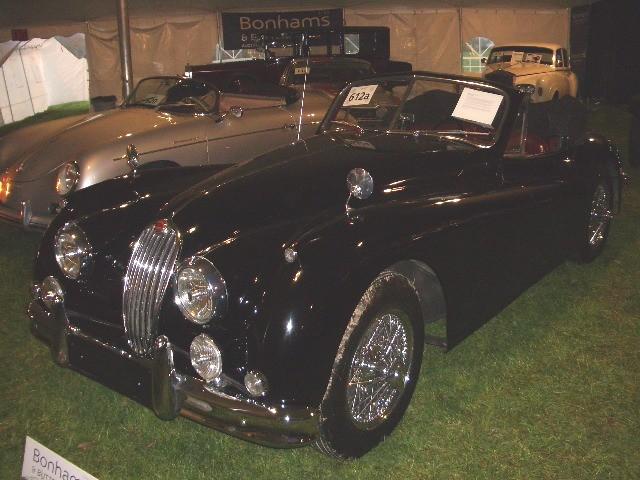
pixel 150 268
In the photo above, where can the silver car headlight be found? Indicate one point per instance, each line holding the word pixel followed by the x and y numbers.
pixel 200 290
pixel 72 251
pixel 67 179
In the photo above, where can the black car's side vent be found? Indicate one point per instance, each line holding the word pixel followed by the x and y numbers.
pixel 148 274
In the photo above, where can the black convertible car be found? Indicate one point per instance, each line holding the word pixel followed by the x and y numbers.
pixel 276 303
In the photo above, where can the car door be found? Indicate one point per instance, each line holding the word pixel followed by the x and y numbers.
pixel 536 168
pixel 255 131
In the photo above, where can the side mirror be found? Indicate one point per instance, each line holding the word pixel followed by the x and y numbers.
pixel 236 111
pixel 233 110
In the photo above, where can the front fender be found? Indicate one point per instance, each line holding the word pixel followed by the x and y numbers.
pixel 311 300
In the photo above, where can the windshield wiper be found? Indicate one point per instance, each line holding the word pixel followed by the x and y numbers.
pixel 447 136
pixel 459 132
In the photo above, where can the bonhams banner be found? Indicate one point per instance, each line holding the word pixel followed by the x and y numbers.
pixel 242 30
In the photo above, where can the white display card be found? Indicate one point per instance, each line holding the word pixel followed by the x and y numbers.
pixel 477 106
pixel 517 57
pixel 361 95
pixel 41 463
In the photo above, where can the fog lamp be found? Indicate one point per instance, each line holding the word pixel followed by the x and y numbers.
pixel 206 357
pixel 51 292
pixel 256 383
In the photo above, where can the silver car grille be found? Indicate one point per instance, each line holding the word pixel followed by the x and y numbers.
pixel 148 274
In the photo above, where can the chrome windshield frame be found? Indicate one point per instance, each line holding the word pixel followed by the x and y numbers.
pixel 465 81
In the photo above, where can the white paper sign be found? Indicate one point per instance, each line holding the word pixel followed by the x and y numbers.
pixel 360 95
pixel 477 106
pixel 40 463
pixel 517 57
pixel 302 71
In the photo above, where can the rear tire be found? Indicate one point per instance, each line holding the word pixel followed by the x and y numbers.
pixel 375 370
pixel 597 221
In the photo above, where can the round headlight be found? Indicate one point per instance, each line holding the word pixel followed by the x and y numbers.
pixel 206 357
pixel 51 292
pixel 200 290
pixel 72 250
pixel 67 180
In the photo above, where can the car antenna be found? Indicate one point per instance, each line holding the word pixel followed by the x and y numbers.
pixel 304 84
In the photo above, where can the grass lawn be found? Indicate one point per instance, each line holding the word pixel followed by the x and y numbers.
pixel 51 113
pixel 550 388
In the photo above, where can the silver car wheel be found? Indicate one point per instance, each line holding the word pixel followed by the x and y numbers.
pixel 379 371
pixel 599 216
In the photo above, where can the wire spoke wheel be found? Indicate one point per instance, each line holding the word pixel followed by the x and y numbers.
pixel 379 370
pixel 599 217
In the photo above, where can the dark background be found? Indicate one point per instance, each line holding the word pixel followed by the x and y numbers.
pixel 611 70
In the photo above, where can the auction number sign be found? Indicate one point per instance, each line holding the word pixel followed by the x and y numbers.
pixel 242 30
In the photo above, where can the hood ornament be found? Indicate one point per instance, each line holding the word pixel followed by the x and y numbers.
pixel 359 184
pixel 133 157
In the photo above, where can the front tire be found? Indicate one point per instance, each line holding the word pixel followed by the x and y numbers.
pixel 375 370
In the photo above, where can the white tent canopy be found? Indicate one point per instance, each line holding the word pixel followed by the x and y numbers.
pixel 37 74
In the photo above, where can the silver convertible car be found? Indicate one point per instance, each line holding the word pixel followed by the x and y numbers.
pixel 167 121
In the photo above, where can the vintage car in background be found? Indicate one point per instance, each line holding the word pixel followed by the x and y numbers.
pixel 356 50
pixel 545 66
pixel 167 121
pixel 285 300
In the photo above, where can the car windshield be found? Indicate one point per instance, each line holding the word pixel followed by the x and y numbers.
pixel 173 92
pixel 540 55
pixel 448 109
pixel 338 71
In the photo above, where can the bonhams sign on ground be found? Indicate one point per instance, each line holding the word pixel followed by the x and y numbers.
pixel 242 30
pixel 40 463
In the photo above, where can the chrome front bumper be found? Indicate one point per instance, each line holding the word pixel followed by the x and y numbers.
pixel 24 217
pixel 170 393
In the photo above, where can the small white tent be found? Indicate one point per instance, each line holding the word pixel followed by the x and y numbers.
pixel 37 74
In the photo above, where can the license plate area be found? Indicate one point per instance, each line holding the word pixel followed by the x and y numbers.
pixel 115 371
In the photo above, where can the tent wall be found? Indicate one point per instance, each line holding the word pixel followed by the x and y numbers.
pixel 160 46
pixel 429 39
pixel 37 74
pixel 67 78
pixel 516 25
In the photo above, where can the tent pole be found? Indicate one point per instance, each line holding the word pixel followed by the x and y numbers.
pixel 124 41
pixel 6 88
pixel 26 79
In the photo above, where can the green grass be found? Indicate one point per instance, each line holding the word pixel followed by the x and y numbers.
pixel 550 388
pixel 52 113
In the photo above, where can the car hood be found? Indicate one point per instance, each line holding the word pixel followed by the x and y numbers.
pixel 519 69
pixel 297 184
pixel 70 141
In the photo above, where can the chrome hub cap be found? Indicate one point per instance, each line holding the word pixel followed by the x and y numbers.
pixel 599 217
pixel 379 370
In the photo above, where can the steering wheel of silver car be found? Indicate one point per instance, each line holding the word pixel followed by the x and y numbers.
pixel 379 370
pixel 600 216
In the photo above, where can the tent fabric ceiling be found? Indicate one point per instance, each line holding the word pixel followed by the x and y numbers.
pixel 34 12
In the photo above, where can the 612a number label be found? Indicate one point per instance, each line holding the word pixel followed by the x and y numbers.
pixel 359 95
